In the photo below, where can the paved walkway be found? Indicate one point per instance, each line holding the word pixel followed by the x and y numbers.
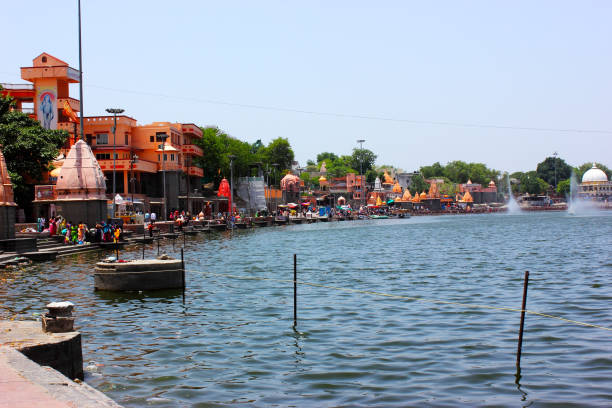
pixel 25 384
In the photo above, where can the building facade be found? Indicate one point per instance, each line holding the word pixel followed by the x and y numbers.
pixel 135 159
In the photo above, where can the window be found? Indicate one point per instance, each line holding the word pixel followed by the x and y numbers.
pixel 88 138
pixel 172 157
pixel 127 139
pixel 103 156
pixel 165 157
pixel 102 138
pixel 159 136
pixel 151 138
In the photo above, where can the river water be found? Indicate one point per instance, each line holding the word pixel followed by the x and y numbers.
pixel 232 341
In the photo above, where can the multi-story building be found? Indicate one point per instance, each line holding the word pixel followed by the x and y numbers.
pixel 135 159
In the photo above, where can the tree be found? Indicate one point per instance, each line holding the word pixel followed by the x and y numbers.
pixel 532 184
pixel 340 167
pixel 307 179
pixel 563 187
pixel 28 150
pixel 279 151
pixel 363 159
pixel 371 176
pixel 418 184
pixel 434 171
pixel 326 157
pixel 546 170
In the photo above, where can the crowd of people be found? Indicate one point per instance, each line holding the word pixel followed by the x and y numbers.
pixel 79 234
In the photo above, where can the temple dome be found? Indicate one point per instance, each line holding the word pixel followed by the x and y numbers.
pixel 397 188
pixel 80 176
pixel 594 175
pixel 290 182
pixel 6 188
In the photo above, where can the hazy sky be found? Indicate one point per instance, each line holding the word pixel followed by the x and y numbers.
pixel 401 75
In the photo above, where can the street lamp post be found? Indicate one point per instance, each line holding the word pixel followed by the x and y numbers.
pixel 161 136
pixel 133 179
pixel 360 141
pixel 231 157
pixel 275 165
pixel 555 154
pixel 115 112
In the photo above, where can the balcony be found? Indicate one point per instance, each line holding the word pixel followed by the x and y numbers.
pixel 124 164
pixel 194 171
pixel 75 104
pixel 193 130
pixel 192 149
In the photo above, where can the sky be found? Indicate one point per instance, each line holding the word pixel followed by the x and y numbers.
pixel 502 83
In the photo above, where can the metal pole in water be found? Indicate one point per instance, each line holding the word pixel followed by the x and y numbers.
pixel 158 239
pixel 520 339
pixel 183 268
pixel 144 238
pixel 294 290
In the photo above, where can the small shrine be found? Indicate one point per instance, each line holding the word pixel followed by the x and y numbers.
pixel 290 187
pixel 80 192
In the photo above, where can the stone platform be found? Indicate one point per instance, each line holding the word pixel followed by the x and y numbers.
pixel 25 384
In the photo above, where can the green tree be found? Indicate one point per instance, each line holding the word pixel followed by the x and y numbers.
pixel 371 176
pixel 362 159
pixel 532 184
pixel 418 184
pixel 434 171
pixel 457 171
pixel 326 157
pixel 340 167
pixel 546 170
pixel 307 179
pixel 279 151
pixel 28 150
pixel 563 187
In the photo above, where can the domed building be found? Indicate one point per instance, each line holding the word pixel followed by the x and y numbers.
pixel 290 187
pixel 595 184
pixel 80 192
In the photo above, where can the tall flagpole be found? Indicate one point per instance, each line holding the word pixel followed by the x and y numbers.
pixel 80 74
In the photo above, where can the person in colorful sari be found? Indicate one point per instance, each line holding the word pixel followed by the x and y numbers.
pixel 81 232
pixel 117 233
pixel 66 233
pixel 74 233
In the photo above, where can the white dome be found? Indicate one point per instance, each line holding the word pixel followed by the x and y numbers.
pixel 593 175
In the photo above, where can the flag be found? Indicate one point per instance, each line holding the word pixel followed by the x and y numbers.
pixel 69 112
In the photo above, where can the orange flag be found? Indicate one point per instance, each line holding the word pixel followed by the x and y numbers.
pixel 69 112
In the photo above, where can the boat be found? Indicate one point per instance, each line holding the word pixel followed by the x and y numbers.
pixel 295 220
pixel 379 217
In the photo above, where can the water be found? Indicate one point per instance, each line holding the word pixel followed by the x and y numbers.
pixel 576 205
pixel 232 340
pixel 513 207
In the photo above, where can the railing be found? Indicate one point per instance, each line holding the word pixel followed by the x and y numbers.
pixel 192 149
pixel 195 171
pixel 17 86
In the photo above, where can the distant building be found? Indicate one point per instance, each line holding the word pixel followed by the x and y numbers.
pixel 480 194
pixel 595 184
